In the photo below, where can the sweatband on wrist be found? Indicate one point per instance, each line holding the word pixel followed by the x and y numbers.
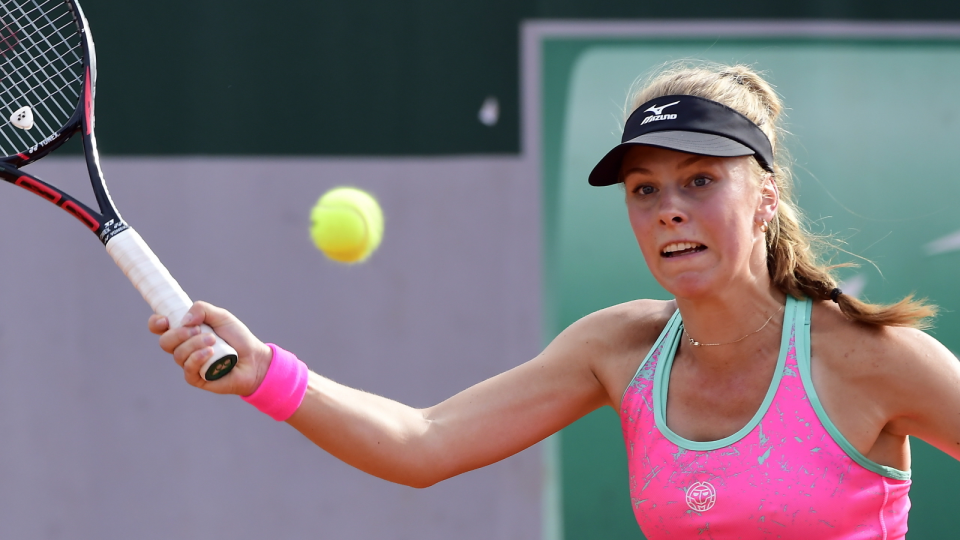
pixel 282 390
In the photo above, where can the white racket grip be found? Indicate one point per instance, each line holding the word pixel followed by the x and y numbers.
pixel 164 294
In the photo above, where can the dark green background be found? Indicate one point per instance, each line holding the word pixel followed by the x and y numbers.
pixel 365 77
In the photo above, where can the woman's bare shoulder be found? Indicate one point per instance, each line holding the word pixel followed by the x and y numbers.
pixel 899 379
pixel 894 367
pixel 866 350
pixel 637 321
pixel 613 341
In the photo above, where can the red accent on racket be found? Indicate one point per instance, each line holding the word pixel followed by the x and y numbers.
pixel 37 187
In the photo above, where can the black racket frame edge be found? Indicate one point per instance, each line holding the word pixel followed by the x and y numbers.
pixel 105 223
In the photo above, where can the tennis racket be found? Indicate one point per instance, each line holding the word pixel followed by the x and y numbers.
pixel 48 74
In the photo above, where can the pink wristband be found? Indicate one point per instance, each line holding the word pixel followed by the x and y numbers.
pixel 282 390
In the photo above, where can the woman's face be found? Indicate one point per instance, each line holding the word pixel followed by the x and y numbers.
pixel 697 218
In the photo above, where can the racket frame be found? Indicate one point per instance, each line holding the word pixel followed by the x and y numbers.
pixel 128 250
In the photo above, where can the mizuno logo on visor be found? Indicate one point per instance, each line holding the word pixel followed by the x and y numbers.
pixel 658 113
pixel 659 110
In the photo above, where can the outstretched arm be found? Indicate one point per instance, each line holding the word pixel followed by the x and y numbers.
pixel 416 447
pixel 479 426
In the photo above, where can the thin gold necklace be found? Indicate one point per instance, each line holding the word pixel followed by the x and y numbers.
pixel 696 343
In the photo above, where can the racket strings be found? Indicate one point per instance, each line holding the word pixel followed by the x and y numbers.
pixel 43 85
pixel 25 84
pixel 29 36
pixel 11 39
pixel 30 57
pixel 41 66
pixel 50 26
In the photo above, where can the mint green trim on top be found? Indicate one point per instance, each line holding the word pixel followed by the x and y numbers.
pixel 661 382
pixel 663 334
pixel 803 362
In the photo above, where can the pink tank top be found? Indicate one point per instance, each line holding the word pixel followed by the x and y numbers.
pixel 788 473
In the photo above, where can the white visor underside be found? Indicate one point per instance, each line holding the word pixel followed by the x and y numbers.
pixel 695 143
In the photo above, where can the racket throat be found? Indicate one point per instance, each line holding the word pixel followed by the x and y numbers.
pixel 110 228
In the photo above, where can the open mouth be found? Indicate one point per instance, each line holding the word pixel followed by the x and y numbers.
pixel 678 249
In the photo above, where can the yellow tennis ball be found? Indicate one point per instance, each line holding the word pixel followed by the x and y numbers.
pixel 346 224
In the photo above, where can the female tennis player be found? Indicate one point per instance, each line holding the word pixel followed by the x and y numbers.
pixel 761 402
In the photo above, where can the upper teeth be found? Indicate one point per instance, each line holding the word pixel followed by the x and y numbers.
pixel 679 246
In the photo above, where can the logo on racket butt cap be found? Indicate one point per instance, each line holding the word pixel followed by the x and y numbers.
pixel 22 117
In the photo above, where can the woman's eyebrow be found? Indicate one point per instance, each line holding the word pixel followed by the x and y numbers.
pixel 690 161
pixel 640 170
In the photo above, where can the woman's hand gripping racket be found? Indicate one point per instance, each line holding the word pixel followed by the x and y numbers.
pixel 48 75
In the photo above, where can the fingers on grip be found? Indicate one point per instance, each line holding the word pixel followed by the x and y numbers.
pixel 158 324
pixel 195 315
pixel 192 363
pixel 222 360
pixel 188 343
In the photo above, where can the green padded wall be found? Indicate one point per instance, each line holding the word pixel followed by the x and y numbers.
pixel 876 128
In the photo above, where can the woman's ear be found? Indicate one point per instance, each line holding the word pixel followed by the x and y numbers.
pixel 769 198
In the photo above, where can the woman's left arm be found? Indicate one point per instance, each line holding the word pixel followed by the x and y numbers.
pixel 923 391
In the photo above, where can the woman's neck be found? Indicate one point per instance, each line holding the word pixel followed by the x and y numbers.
pixel 731 325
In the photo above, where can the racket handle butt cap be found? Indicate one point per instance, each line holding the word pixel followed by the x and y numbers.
pixel 221 362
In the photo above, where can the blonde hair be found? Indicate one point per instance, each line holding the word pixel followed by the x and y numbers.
pixel 793 253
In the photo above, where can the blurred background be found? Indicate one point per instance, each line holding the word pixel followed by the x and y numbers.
pixel 474 124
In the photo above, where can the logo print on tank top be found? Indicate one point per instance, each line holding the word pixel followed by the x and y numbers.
pixel 701 496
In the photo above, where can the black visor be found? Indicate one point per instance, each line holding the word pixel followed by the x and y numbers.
pixel 689 124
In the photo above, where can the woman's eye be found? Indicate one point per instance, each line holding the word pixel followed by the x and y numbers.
pixel 644 190
pixel 701 181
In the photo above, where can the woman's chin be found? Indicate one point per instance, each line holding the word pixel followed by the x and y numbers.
pixel 692 293
pixel 691 285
